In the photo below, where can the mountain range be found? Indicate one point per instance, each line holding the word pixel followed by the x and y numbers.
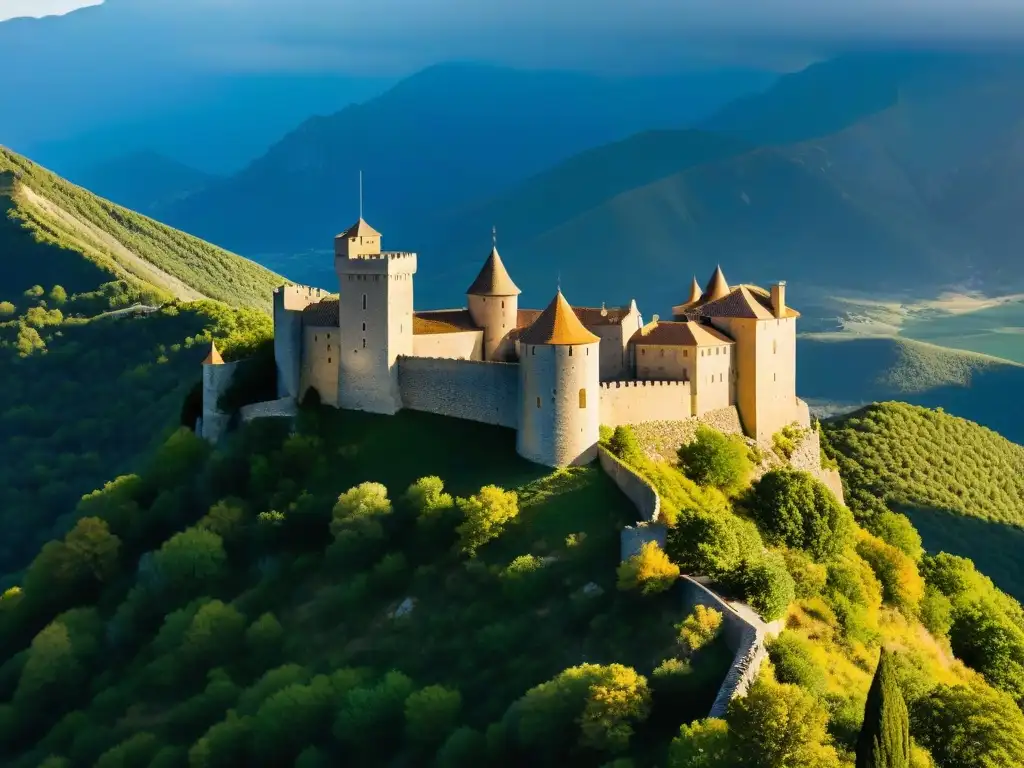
pixel 849 172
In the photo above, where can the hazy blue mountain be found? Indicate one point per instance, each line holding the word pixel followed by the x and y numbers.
pixel 448 136
pixel 908 193
pixel 109 80
pixel 143 181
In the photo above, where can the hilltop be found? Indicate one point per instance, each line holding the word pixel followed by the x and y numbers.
pixel 88 240
pixel 311 596
pixel 841 371
pixel 105 317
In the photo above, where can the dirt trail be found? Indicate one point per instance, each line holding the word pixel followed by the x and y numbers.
pixel 124 258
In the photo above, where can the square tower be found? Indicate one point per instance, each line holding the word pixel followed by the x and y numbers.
pixel 375 306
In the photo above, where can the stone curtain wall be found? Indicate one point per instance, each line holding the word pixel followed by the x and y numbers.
pixel 636 488
pixel 745 638
pixel 282 408
pixel 661 439
pixel 464 389
pixel 635 402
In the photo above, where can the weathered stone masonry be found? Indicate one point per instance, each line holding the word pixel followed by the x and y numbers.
pixel 465 389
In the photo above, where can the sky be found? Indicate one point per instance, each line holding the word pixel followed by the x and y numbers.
pixel 362 36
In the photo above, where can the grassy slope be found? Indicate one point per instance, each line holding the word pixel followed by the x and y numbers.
pixel 866 369
pixel 123 243
pixel 961 484
pixel 466 630
pixel 80 399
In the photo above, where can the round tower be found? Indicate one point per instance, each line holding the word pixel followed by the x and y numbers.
pixel 216 379
pixel 494 305
pixel 559 384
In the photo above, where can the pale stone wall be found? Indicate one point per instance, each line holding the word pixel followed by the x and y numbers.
pixel 660 440
pixel 376 306
pixel 665 363
pixel 463 345
pixel 497 316
pixel 745 637
pixel 636 402
pixel 282 408
pixel 216 380
pixel 464 389
pixel 634 486
pixel 289 301
pixel 560 404
pixel 320 352
pixel 807 456
pixel 713 382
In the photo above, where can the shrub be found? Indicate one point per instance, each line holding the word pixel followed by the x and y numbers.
pixel 902 585
pixel 767 586
pixel 699 628
pixel 716 459
pixel 431 714
pixel 623 443
pixel 7 309
pixel 703 744
pixel 936 612
pixel 809 577
pixel 897 530
pixel 793 662
pixel 485 516
pixel 795 509
pixel 650 571
pixel 713 543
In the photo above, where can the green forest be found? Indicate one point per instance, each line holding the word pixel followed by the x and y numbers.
pixel 960 483
pixel 368 590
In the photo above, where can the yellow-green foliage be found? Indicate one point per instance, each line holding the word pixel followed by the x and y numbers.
pixel 917 457
pixel 107 235
pixel 902 585
pixel 485 515
pixel 650 570
pixel 699 628
pixel 785 441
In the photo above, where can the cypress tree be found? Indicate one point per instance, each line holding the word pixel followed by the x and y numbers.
pixel 884 740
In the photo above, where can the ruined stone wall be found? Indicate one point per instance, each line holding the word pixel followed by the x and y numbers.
pixel 742 636
pixel 282 408
pixel 464 389
pixel 636 402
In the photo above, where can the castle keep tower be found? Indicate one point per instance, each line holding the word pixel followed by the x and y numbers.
pixel 216 379
pixel 559 380
pixel 494 305
pixel 375 306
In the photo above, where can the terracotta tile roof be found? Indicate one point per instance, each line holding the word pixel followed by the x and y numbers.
pixel 322 314
pixel 745 301
pixel 716 288
pixel 764 298
pixel 442 321
pixel 526 317
pixel 685 334
pixel 557 324
pixel 591 316
pixel 360 229
pixel 493 279
pixel 213 358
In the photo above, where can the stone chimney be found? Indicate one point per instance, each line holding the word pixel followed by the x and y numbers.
pixel 779 298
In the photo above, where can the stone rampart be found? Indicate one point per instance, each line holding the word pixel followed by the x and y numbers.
pixel 281 408
pixel 464 389
pixel 636 487
pixel 638 401
pixel 744 637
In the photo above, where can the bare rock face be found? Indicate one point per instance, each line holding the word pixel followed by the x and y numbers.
pixel 404 608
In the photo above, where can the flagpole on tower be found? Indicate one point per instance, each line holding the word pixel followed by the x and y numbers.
pixel 360 194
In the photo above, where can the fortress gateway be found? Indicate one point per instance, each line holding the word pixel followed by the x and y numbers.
pixel 553 375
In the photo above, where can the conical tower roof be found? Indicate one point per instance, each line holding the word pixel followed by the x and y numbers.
pixel 493 279
pixel 695 292
pixel 557 324
pixel 717 288
pixel 213 358
pixel 360 229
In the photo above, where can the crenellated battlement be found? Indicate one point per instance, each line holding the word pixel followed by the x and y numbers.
pixel 644 383
pixel 295 298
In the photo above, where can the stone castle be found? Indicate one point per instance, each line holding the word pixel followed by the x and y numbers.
pixel 554 375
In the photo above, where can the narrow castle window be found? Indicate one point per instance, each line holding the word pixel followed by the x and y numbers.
pixel 583 398
pixel 315 338
pixel 364 301
pixel 570 351
pixel 538 402
pixel 503 304
pixel 364 326
pixel 775 347
pixel 686 353
pixel 364 343
pixel 533 350
pixel 328 361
